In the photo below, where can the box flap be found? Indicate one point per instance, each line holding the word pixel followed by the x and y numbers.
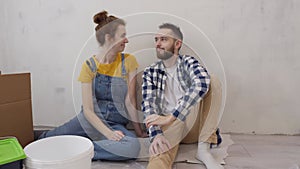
pixel 14 88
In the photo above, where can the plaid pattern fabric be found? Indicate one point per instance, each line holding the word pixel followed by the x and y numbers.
pixel 193 78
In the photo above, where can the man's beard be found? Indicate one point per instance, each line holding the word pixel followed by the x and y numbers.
pixel 166 54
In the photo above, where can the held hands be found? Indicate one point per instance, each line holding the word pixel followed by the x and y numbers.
pixel 159 120
pixel 159 145
pixel 115 135
pixel 139 131
pixel 142 134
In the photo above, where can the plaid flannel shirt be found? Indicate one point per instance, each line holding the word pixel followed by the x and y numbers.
pixel 194 80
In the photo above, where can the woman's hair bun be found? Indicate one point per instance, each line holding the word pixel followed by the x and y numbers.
pixel 100 17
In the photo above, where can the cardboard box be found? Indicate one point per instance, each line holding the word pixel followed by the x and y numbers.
pixel 15 107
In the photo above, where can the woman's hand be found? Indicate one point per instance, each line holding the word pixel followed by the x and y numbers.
pixel 116 135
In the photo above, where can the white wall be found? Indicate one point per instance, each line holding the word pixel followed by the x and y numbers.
pixel 258 42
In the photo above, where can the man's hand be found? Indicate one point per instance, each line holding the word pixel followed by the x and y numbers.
pixel 155 119
pixel 159 145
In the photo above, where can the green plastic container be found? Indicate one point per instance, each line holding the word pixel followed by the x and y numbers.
pixel 11 153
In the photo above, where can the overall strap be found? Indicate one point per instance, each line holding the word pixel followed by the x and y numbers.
pixel 92 64
pixel 123 65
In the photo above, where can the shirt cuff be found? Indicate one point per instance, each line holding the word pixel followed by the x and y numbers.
pixel 154 131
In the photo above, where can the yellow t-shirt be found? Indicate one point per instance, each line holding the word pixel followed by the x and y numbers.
pixel 113 69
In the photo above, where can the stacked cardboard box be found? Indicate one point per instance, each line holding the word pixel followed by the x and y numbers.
pixel 15 107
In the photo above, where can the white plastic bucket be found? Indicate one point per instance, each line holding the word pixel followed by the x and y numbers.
pixel 59 152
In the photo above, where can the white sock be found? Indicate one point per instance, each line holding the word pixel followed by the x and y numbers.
pixel 205 156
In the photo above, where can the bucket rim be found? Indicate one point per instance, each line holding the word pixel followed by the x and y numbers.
pixel 89 152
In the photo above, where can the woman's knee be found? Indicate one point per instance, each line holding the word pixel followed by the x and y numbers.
pixel 132 145
pixel 128 147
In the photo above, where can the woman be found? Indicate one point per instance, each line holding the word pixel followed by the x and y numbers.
pixel 106 78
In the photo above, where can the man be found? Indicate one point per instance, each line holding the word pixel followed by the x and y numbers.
pixel 172 89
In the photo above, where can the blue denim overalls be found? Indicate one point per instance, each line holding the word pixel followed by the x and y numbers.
pixel 109 95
